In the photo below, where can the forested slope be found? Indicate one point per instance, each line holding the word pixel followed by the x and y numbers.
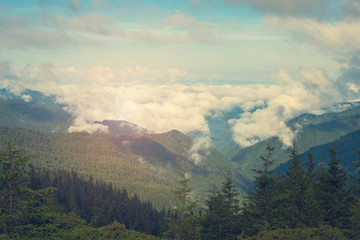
pixel 21 114
pixel 137 163
pixel 313 130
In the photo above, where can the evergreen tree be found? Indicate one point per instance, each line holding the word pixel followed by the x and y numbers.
pixel 313 213
pixel 213 220
pixel 310 165
pixel 357 178
pixel 221 220
pixel 335 195
pixel 183 225
pixel 355 209
pixel 296 189
pixel 258 208
pixel 12 179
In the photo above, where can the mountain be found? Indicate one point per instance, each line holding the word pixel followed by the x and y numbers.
pixel 22 114
pixel 129 156
pixel 315 130
pixel 139 163
pixel 31 96
pixel 346 146
pixel 221 133
pixel 121 127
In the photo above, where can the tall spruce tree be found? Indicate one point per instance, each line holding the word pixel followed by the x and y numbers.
pixel 296 187
pixel 221 220
pixel 184 225
pixel 313 216
pixel 355 209
pixel 12 179
pixel 336 197
pixel 258 208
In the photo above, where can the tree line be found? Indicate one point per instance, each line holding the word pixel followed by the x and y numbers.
pixel 44 204
pixel 309 201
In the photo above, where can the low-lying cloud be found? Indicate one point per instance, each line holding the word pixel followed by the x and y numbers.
pixel 162 106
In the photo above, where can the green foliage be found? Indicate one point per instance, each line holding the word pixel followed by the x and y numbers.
pixel 35 214
pixel 221 220
pixel 315 131
pixel 296 188
pixel 183 224
pixel 12 180
pixel 125 161
pixel 98 203
pixel 20 114
pixel 320 233
pixel 258 208
pixel 334 195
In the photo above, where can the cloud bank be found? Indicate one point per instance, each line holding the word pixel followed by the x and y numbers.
pixel 104 93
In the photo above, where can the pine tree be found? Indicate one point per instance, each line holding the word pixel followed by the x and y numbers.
pixel 310 165
pixel 12 179
pixel 335 195
pixel 213 219
pixel 296 187
pixel 221 220
pixel 355 209
pixel 258 208
pixel 184 225
pixel 313 213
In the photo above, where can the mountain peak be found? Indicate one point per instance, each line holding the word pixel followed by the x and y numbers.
pixel 122 127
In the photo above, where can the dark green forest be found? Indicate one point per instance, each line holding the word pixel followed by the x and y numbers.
pixel 147 165
pixel 308 201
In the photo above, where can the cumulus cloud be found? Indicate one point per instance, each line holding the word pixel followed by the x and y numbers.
pixel 292 99
pixel 80 125
pixel 338 36
pixel 349 80
pixel 26 98
pixel 200 149
pixel 104 93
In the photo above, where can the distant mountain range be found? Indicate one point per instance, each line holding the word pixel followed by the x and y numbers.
pixel 316 132
pixel 149 164
pixel 129 156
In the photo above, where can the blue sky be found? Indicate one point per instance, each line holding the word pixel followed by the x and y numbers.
pixel 178 61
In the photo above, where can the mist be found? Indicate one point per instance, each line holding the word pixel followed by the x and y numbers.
pixel 161 107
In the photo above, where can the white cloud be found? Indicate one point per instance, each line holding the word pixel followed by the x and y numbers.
pixel 26 98
pixel 292 99
pixel 200 149
pixel 135 95
pixel 338 36
pixel 81 125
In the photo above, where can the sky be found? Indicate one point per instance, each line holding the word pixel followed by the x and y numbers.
pixel 170 64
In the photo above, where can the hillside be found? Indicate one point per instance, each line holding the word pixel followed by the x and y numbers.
pixel 346 146
pixel 316 130
pixel 31 96
pixel 121 127
pixel 131 155
pixel 137 163
pixel 21 114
